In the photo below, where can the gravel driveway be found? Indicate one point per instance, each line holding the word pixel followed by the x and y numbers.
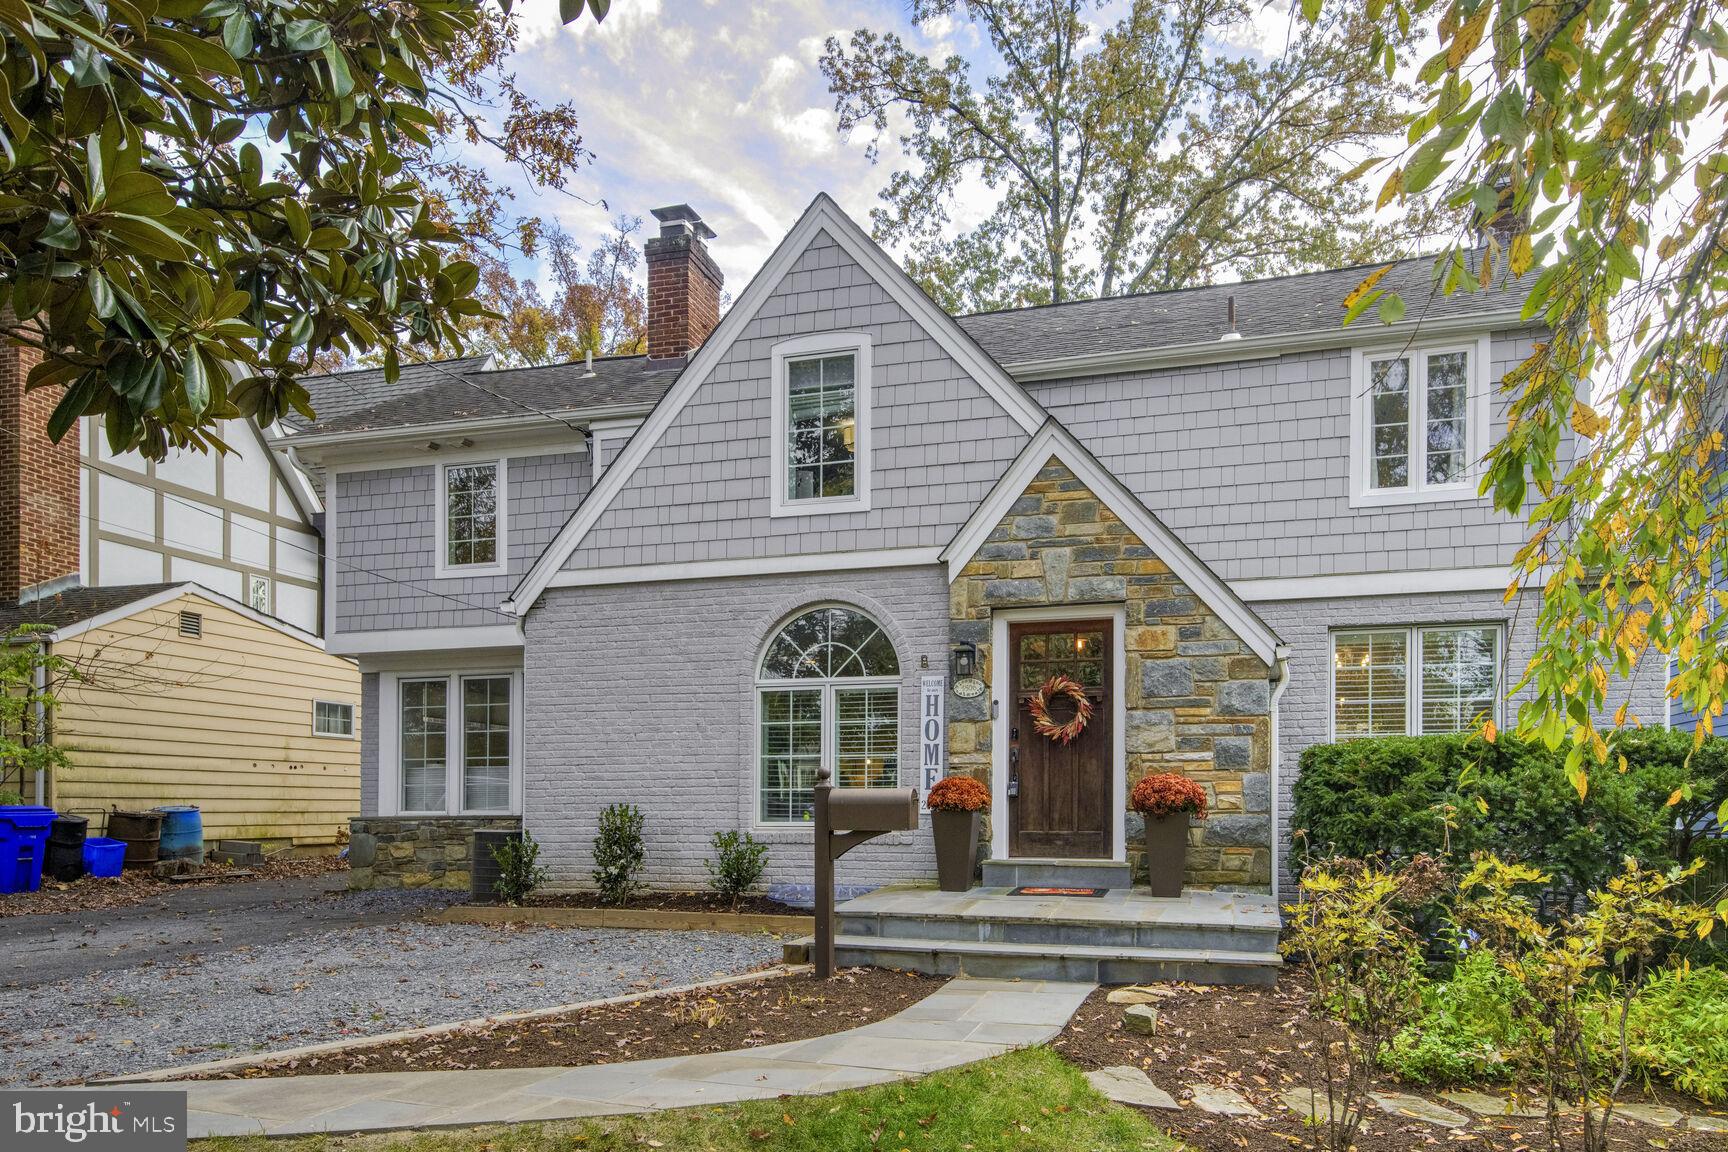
pixel 230 997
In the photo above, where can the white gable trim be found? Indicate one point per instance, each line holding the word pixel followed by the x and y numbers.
pixel 822 215
pixel 1055 440
pixel 169 595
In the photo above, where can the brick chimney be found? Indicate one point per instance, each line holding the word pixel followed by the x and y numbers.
pixel 683 284
pixel 39 503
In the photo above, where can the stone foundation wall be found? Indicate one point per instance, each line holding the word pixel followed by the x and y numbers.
pixel 416 851
pixel 1196 700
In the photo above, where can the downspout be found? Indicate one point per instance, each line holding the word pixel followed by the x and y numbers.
pixel 1281 658
pixel 39 684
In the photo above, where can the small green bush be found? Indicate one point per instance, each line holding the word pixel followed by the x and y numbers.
pixel 1678 1030
pixel 1451 796
pixel 9 797
pixel 738 867
pixel 1467 1027
pixel 519 869
pixel 618 853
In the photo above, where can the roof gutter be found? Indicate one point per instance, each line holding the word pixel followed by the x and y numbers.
pixel 409 433
pixel 1259 347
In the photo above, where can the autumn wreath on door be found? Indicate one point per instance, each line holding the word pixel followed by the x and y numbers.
pixel 1039 705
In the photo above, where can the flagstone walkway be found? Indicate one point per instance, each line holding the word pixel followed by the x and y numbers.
pixel 964 1021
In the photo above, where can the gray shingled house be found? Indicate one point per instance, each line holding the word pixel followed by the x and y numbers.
pixel 690 579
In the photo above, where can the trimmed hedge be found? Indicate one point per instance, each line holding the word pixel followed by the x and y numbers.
pixel 1454 795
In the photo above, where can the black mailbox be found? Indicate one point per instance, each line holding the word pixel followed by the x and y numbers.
pixel 846 818
pixel 873 809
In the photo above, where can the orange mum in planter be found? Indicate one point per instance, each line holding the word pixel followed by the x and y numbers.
pixel 959 794
pixel 1167 794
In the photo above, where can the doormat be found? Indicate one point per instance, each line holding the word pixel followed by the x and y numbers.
pixel 1028 890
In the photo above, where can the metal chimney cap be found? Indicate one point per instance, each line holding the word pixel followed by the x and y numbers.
pixel 676 218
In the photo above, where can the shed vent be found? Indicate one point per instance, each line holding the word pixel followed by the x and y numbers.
pixel 191 624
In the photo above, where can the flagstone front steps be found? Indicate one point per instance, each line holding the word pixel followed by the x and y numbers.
pixel 1122 937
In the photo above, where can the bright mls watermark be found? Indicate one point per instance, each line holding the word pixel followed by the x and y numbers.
pixel 54 1120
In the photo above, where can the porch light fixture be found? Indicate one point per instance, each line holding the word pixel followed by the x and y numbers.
pixel 963 661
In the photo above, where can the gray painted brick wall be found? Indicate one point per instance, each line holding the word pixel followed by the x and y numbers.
pixel 939 441
pixel 1305 712
pixel 386 539
pixel 1249 463
pixel 368 744
pixel 645 693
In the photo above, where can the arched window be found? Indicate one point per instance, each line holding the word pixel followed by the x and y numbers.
pixel 828 692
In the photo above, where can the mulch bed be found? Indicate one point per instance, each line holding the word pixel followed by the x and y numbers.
pixel 771 1011
pixel 669 902
pixel 98 893
pixel 1262 1041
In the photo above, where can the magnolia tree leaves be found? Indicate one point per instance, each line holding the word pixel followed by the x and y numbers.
pixel 199 196
pixel 1586 143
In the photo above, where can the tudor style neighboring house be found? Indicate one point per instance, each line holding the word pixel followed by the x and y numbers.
pixel 188 591
pixel 689 580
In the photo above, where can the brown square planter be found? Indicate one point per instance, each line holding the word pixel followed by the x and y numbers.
pixel 956 836
pixel 1166 853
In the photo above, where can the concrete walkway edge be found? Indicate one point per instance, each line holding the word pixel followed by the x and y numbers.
pixel 962 1022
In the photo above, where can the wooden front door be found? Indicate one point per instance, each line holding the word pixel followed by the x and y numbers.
pixel 1059 794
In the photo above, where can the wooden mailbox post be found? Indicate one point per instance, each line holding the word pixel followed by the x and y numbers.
pixel 860 814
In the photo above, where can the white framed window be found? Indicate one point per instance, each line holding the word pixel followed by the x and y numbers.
pixel 450 742
pixel 333 718
pixel 472 518
pixel 258 592
pixel 1418 422
pixel 827 693
pixel 821 425
pixel 486 727
pixel 1415 681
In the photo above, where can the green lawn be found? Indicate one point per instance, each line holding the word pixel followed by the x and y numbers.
pixel 1029 1101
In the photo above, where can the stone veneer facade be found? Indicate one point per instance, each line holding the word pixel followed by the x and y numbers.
pixel 416 851
pixel 1198 701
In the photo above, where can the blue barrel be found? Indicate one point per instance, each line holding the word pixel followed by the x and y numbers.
pixel 23 839
pixel 182 832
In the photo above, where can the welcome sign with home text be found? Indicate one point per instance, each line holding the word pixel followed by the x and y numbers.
pixel 931 728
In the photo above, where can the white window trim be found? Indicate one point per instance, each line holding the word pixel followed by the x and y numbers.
pixel 501 563
pixel 1412 670
pixel 269 591
pixel 830 754
pixel 389 722
pixel 353 709
pixel 804 348
pixel 769 684
pixel 1476 431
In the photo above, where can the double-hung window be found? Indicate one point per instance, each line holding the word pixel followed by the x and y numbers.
pixel 821 427
pixel 333 718
pixel 828 694
pixel 1415 681
pixel 1418 424
pixel 471 518
pixel 456 742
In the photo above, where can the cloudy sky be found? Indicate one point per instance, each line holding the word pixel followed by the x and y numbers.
pixel 718 104
pixel 721 104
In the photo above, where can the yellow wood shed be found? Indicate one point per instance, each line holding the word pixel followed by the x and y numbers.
pixel 178 695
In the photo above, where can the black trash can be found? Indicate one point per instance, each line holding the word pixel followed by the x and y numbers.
pixel 65 857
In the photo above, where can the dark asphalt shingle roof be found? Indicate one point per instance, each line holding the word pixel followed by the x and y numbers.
pixel 464 388
pixel 1284 305
pixel 340 394
pixel 74 605
pixel 458 389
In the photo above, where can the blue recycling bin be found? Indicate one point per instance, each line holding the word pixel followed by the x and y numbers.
pixel 23 839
